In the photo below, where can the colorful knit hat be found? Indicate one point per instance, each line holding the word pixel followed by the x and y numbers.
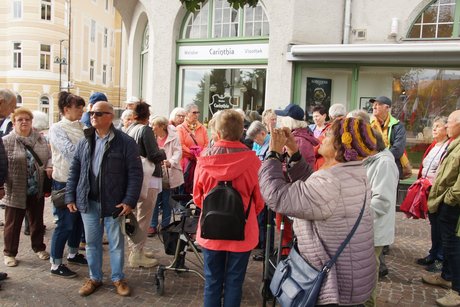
pixel 358 139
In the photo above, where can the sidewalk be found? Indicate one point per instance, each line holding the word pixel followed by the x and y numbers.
pixel 30 283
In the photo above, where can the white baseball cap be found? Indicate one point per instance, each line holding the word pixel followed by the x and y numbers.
pixel 132 100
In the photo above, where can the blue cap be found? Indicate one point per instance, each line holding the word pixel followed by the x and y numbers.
pixel 292 110
pixel 97 96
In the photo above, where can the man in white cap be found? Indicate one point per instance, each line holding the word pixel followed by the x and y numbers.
pixel 131 103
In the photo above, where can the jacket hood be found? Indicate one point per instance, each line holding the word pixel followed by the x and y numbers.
pixel 306 134
pixel 229 166
pixel 384 154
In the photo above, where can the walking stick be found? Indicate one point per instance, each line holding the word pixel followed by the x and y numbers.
pixel 266 284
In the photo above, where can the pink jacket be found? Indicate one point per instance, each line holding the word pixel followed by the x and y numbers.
pixel 173 152
pixel 223 162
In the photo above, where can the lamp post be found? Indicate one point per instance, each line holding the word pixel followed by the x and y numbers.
pixel 61 61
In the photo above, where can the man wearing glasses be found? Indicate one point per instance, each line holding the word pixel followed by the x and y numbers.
pixel 105 176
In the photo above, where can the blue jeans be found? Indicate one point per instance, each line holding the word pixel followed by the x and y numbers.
pixel 224 272
pixel 68 229
pixel 163 202
pixel 436 242
pixel 94 230
pixel 448 219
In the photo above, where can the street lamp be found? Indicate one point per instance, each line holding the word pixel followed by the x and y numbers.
pixel 61 61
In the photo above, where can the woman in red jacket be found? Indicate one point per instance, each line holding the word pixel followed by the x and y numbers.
pixel 225 261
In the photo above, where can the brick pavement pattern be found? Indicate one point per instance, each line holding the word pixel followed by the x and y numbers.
pixel 30 283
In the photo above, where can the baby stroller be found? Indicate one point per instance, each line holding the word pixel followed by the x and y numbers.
pixel 177 239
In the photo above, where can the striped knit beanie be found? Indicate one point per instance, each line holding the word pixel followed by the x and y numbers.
pixel 358 139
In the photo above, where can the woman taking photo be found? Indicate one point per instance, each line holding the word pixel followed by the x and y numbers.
pixel 326 204
pixel 29 161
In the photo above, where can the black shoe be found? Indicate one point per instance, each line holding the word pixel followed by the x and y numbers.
pixel 3 276
pixel 435 267
pixel 425 261
pixel 63 271
pixel 79 259
pixel 386 250
pixel 383 273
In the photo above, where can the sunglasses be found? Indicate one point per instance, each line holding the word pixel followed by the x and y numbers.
pixel 97 114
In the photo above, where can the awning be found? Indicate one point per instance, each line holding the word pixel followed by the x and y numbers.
pixel 407 53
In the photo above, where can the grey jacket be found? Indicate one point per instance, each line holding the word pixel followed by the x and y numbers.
pixel 383 176
pixel 325 207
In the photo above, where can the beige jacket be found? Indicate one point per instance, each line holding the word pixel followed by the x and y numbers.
pixel 16 182
pixel 173 150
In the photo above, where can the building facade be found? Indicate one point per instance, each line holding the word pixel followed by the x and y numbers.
pixel 304 51
pixel 52 45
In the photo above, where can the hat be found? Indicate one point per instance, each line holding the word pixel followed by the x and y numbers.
pixel 358 139
pixel 130 228
pixel 132 100
pixel 381 99
pixel 97 96
pixel 292 110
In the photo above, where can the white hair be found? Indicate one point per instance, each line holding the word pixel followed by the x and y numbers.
pixel 173 113
pixel 40 121
pixel 291 123
pixel 126 113
pixel 336 110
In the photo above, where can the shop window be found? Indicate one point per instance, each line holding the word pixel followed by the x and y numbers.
pixel 46 10
pixel 214 89
pixel 225 21
pixel 437 21
pixel 45 56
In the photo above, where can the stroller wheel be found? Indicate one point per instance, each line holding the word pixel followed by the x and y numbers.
pixel 160 284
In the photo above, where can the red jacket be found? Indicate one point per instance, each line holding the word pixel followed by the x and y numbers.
pixel 233 161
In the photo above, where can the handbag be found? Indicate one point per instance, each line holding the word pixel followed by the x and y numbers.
pixel 148 168
pixel 165 178
pixel 47 182
pixel 58 198
pixel 296 282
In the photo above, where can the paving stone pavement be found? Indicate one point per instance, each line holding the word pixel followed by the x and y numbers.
pixel 30 283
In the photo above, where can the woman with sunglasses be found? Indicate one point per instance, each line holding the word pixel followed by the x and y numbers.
pixel 193 137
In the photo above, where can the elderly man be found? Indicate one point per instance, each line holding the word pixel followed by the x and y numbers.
pixel 105 178
pixel 7 105
pixel 393 132
pixel 444 199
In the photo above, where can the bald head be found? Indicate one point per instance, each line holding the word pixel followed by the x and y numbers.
pixel 101 116
pixel 453 124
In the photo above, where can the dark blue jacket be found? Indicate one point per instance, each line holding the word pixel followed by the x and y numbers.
pixel 120 176
pixel 3 164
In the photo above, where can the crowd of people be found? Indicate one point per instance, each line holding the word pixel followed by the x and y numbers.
pixel 317 179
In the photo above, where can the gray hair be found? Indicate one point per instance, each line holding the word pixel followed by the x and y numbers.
pixel 190 106
pixel 6 96
pixel 440 119
pixel 126 113
pixel 40 121
pixel 291 123
pixel 174 112
pixel 336 110
pixel 361 114
pixel 160 121
pixel 254 129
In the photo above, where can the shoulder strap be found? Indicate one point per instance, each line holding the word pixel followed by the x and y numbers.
pixel 191 135
pixel 29 148
pixel 331 262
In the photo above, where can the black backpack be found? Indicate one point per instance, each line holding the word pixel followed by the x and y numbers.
pixel 222 215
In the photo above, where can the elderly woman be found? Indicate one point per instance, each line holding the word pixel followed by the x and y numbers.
pixel 193 137
pixel 225 261
pixel 428 169
pixel 326 204
pixel 269 119
pixel 177 116
pixel 258 133
pixel 127 118
pixel 167 140
pixel 29 161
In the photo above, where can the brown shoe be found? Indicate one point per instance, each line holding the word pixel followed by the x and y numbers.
pixel 89 287
pixel 437 280
pixel 122 287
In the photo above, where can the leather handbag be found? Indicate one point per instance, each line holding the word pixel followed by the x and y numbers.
pixel 58 198
pixel 296 282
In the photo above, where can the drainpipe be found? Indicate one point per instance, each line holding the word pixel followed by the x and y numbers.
pixel 346 22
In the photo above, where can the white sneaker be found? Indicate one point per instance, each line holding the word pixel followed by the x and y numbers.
pixel 452 299
pixel 137 259
pixel 43 255
pixel 10 261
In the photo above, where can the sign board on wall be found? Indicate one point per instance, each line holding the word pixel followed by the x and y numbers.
pixel 220 103
pixel 223 52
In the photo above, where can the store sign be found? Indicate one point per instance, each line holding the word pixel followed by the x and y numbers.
pixel 224 52
pixel 220 103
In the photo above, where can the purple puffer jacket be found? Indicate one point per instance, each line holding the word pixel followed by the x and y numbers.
pixel 325 206
pixel 306 141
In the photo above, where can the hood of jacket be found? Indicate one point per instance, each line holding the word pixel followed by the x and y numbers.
pixel 306 134
pixel 228 166
pixel 384 154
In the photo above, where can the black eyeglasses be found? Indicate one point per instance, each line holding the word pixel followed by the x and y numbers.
pixel 97 114
pixel 196 112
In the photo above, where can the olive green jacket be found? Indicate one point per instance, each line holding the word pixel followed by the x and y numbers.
pixel 446 188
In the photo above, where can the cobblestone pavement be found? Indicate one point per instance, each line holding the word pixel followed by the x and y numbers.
pixel 30 283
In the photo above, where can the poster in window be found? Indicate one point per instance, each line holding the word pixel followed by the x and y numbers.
pixel 318 93
pixel 365 105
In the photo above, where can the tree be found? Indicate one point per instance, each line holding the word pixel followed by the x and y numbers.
pixel 193 5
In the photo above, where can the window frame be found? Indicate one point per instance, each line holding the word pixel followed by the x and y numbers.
pixel 17 55
pixel 93 31
pixel 104 74
pixel 20 8
pixel 91 69
pixel 46 5
pixel 45 58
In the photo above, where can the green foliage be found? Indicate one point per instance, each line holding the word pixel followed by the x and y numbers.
pixel 193 5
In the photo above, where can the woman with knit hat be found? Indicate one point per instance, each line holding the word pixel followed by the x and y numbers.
pixel 326 204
